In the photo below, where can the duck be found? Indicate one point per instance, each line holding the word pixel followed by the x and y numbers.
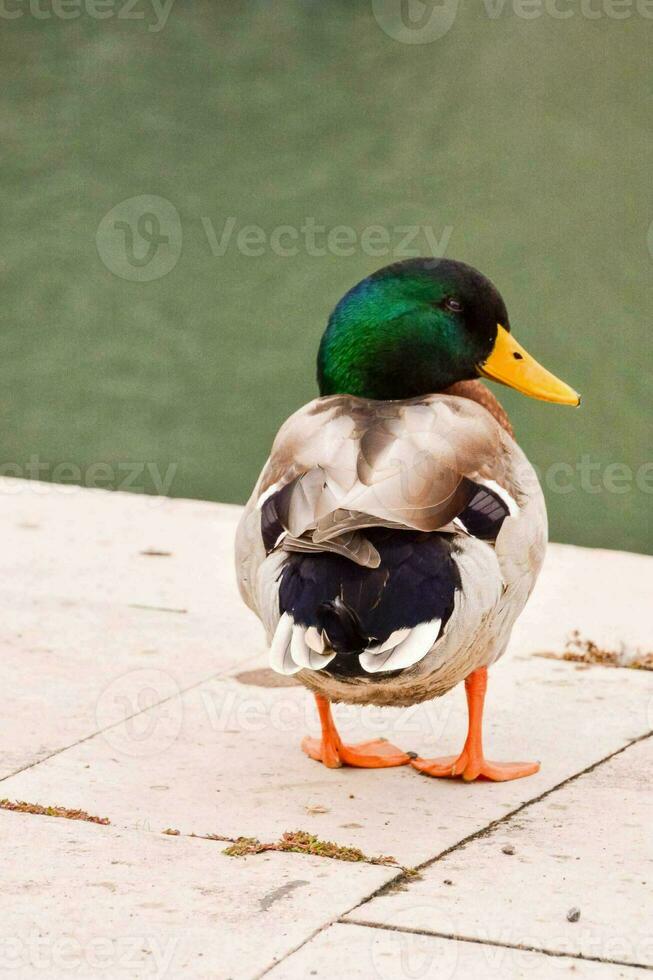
pixel 397 528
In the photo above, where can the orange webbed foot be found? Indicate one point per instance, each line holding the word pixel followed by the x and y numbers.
pixel 376 754
pixel 333 753
pixel 472 767
pixel 471 764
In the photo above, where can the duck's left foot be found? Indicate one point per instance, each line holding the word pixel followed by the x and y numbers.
pixel 333 753
pixel 471 768
pixel 471 764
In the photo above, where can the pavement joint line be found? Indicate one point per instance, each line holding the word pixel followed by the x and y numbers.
pixel 214 839
pixel 405 880
pixel 334 920
pixel 491 827
pixel 402 877
pixel 455 937
pixel 211 838
pixel 99 731
pixel 228 674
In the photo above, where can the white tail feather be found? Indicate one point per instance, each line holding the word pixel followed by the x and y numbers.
pixel 302 654
pixel 315 639
pixel 280 658
pixel 390 643
pixel 411 650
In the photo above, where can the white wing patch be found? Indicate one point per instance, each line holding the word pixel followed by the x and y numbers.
pixel 268 493
pixel 501 492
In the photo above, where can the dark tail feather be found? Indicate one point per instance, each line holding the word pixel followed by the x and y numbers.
pixel 342 626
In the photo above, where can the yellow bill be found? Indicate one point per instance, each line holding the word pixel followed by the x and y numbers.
pixel 511 365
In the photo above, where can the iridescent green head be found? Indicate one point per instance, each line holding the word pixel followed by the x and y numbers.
pixel 417 327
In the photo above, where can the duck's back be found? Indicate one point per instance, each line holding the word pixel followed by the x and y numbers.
pixel 388 547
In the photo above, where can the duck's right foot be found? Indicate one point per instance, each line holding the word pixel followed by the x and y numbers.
pixel 333 753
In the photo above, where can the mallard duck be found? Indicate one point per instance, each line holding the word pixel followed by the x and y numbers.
pixel 397 529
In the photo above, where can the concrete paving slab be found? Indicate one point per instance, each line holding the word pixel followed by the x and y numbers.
pixel 113 601
pixel 225 758
pixel 362 953
pixel 96 902
pixel 117 608
pixel 587 847
pixel 69 669
pixel 604 595
pixel 95 628
pixel 95 545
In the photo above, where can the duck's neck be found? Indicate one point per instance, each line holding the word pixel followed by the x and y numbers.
pixel 477 391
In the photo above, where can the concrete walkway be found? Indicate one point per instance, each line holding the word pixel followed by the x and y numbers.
pixel 135 688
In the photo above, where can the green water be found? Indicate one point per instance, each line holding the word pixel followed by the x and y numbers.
pixel 522 144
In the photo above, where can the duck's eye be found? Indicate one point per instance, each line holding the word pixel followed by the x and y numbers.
pixel 453 305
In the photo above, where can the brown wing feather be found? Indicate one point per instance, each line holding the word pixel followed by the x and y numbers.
pixel 349 463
